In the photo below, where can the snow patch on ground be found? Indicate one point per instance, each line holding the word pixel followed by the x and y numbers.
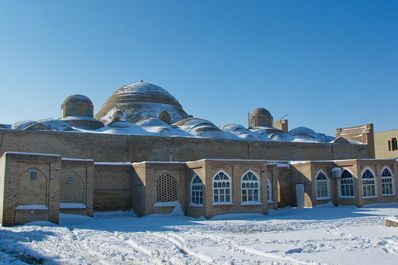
pixel 321 235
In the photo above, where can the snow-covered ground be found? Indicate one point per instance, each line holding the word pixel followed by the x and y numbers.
pixel 322 235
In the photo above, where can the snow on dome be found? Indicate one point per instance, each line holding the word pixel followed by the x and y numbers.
pixel 122 127
pixel 56 125
pixel 203 128
pixel 302 131
pixel 21 125
pixel 141 100
pixel 302 134
pixel 160 127
pixel 241 132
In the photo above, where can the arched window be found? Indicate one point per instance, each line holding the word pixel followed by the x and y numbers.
pixel 221 189
pixel 387 185
pixel 269 191
pixel 347 185
pixel 196 191
pixel 166 188
pixel 368 184
pixel 322 189
pixel 250 188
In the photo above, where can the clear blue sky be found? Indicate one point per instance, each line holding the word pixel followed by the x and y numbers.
pixel 327 64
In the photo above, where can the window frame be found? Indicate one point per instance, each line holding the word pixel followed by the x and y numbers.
pixel 258 182
pixel 191 203
pixel 230 189
pixel 321 198
pixel 368 185
pixel 392 177
pixel 340 185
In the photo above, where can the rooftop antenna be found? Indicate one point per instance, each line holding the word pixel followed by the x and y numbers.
pixel 284 116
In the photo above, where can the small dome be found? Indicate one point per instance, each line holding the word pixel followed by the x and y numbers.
pixel 21 125
pixel 77 105
pixel 302 131
pixel 202 128
pixel 260 117
pixel 29 126
pixel 261 112
pixel 242 132
pixel 139 101
pixel 161 128
pixel 56 125
pixel 77 99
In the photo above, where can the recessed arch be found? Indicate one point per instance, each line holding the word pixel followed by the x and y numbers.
pixel 73 188
pixel 33 187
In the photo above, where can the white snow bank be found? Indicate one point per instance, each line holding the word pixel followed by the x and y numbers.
pixel 322 235
pixel 393 218
pixel 166 204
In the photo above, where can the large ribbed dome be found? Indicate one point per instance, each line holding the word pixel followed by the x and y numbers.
pixel 141 100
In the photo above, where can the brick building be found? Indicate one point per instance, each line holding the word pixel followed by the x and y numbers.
pixel 142 151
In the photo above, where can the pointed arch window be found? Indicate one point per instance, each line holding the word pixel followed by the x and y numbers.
pixel 346 185
pixel 368 184
pixel 196 191
pixel 387 182
pixel 221 189
pixel 250 186
pixel 322 186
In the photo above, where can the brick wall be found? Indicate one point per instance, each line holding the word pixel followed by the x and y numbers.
pixel 77 184
pixel 112 186
pixel 116 148
pixel 22 188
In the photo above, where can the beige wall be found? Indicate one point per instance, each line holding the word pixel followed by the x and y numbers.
pixel 148 174
pixel 306 173
pixel 281 185
pixel 381 144
pixel 122 148
pixel 235 169
pixel 77 184
pixel 21 190
pixel 112 186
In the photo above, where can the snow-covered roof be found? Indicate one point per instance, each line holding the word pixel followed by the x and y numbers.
pixel 203 128
pixel 160 127
pixel 190 127
pixel 141 100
